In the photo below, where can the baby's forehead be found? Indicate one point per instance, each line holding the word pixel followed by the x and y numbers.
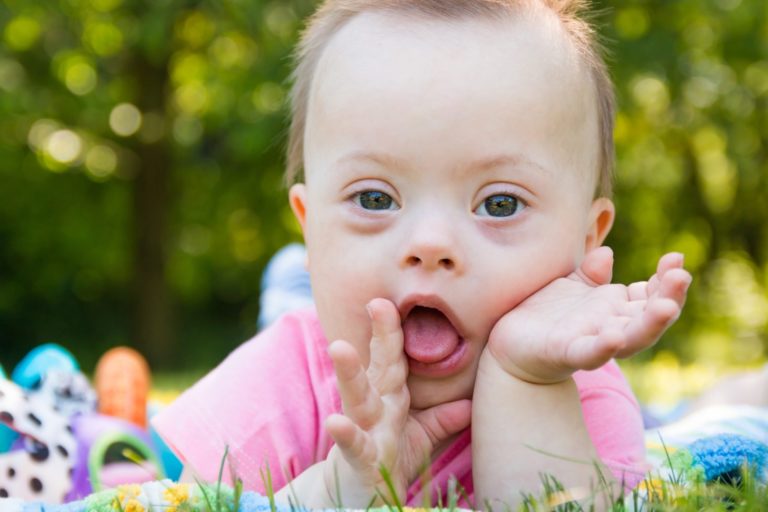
pixel 390 48
pixel 373 39
pixel 417 62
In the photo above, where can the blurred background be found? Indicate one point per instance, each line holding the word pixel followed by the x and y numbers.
pixel 141 157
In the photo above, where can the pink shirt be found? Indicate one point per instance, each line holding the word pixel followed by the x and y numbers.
pixel 268 400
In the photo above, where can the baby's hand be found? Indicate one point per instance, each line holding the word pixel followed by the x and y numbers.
pixel 581 321
pixel 378 429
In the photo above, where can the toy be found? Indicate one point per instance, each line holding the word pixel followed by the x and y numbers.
pixel 58 447
pixel 122 384
pixel 29 372
pixel 111 451
pixel 37 465
pixel 717 458
pixel 58 458
pixel 172 466
pixel 68 392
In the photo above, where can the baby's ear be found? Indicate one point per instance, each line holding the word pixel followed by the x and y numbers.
pixel 297 196
pixel 601 215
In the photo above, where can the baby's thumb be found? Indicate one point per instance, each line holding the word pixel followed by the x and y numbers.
pixel 442 421
pixel 597 267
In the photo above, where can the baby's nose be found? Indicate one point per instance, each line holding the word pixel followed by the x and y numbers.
pixel 431 247
pixel 430 260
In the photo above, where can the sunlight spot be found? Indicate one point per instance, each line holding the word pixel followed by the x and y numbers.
pixel 651 93
pixel 64 146
pixel 736 292
pixel 196 29
pixel 40 131
pixel 188 66
pixel 632 22
pixel 103 38
pixel 101 161
pixel 700 91
pixel 192 97
pixel 11 75
pixel 22 32
pixel 268 97
pixel 756 77
pixel 125 119
pixel 80 78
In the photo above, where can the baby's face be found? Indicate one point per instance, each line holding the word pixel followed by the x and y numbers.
pixel 450 168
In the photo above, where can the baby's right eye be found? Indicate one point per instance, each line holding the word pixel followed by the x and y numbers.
pixel 375 200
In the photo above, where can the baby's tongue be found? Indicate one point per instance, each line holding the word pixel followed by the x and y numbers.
pixel 429 336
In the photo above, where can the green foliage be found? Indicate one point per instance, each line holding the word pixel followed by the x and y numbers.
pixel 96 92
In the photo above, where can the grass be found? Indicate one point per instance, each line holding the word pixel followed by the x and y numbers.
pixel 740 492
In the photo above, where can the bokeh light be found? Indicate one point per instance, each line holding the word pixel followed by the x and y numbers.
pixel 268 97
pixel 22 32
pixel 40 131
pixel 76 71
pixel 101 161
pixel 11 75
pixel 64 146
pixel 125 119
pixel 102 37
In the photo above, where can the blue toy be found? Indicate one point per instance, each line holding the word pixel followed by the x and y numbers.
pixel 722 457
pixel 41 360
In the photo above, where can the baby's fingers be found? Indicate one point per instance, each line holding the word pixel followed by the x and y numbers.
pixel 645 329
pixel 361 403
pixel 666 263
pixel 355 444
pixel 442 421
pixel 590 352
pixel 387 369
pixel 674 285
pixel 597 267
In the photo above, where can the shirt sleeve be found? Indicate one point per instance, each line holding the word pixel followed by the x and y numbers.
pixel 264 406
pixel 614 422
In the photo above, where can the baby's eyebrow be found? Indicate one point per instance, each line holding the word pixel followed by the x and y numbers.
pixel 383 159
pixel 484 164
pixel 512 160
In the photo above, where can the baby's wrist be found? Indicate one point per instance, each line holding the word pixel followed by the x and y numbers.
pixel 497 365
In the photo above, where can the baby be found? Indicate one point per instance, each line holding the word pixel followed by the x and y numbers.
pixel 451 162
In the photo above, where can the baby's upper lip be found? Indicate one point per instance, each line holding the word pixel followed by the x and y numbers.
pixel 430 301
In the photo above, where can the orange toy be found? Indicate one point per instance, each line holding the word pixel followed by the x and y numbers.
pixel 122 383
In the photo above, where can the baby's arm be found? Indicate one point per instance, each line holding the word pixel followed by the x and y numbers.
pixel 377 429
pixel 525 398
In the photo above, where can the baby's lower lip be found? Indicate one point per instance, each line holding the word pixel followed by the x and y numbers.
pixel 454 362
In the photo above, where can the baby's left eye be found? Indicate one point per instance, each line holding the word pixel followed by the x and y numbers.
pixel 500 205
pixel 375 200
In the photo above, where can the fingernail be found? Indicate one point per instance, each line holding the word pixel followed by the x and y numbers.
pixel 369 310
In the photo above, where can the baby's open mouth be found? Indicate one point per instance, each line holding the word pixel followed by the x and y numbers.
pixel 432 343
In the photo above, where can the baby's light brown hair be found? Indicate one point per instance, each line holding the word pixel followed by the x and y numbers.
pixel 334 14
